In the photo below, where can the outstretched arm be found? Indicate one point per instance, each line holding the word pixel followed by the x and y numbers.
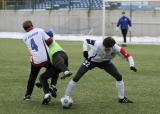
pixel 128 57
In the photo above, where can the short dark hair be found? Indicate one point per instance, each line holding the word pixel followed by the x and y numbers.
pixel 27 24
pixel 108 42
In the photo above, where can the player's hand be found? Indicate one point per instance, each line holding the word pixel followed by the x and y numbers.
pixel 133 68
pixel 85 54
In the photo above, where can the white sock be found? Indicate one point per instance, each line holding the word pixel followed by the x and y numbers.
pixel 120 88
pixel 46 95
pixel 70 88
pixel 66 72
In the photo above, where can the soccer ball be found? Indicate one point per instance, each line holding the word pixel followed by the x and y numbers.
pixel 66 102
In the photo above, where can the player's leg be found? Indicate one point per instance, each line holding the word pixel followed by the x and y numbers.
pixel 54 79
pixel 52 88
pixel 124 33
pixel 38 84
pixel 112 70
pixel 60 61
pixel 44 81
pixel 31 81
pixel 86 65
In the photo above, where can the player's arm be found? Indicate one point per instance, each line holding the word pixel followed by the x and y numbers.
pixel 119 22
pixel 129 22
pixel 48 39
pixel 24 40
pixel 87 43
pixel 127 56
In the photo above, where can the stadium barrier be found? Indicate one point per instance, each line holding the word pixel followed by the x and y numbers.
pixel 145 23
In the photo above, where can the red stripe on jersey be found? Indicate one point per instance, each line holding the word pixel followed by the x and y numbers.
pixel 49 41
pixel 124 53
pixel 41 64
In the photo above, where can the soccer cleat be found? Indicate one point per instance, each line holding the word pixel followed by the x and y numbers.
pixel 46 100
pixel 27 98
pixel 53 91
pixel 66 74
pixel 125 100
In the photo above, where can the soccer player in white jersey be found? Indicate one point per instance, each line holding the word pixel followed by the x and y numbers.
pixel 40 45
pixel 36 40
pixel 99 54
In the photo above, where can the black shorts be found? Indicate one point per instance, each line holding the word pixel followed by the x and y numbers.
pixel 108 66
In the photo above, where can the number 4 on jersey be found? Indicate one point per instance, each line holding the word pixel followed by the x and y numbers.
pixel 33 45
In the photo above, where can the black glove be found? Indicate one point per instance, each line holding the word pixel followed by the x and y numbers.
pixel 133 68
pixel 85 54
pixel 39 85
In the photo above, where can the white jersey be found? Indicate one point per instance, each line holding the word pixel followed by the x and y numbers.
pixel 35 41
pixel 97 51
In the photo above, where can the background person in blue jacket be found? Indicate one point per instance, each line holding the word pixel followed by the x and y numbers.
pixel 124 23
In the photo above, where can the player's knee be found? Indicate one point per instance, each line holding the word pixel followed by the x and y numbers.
pixel 118 78
pixel 58 64
pixel 76 79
